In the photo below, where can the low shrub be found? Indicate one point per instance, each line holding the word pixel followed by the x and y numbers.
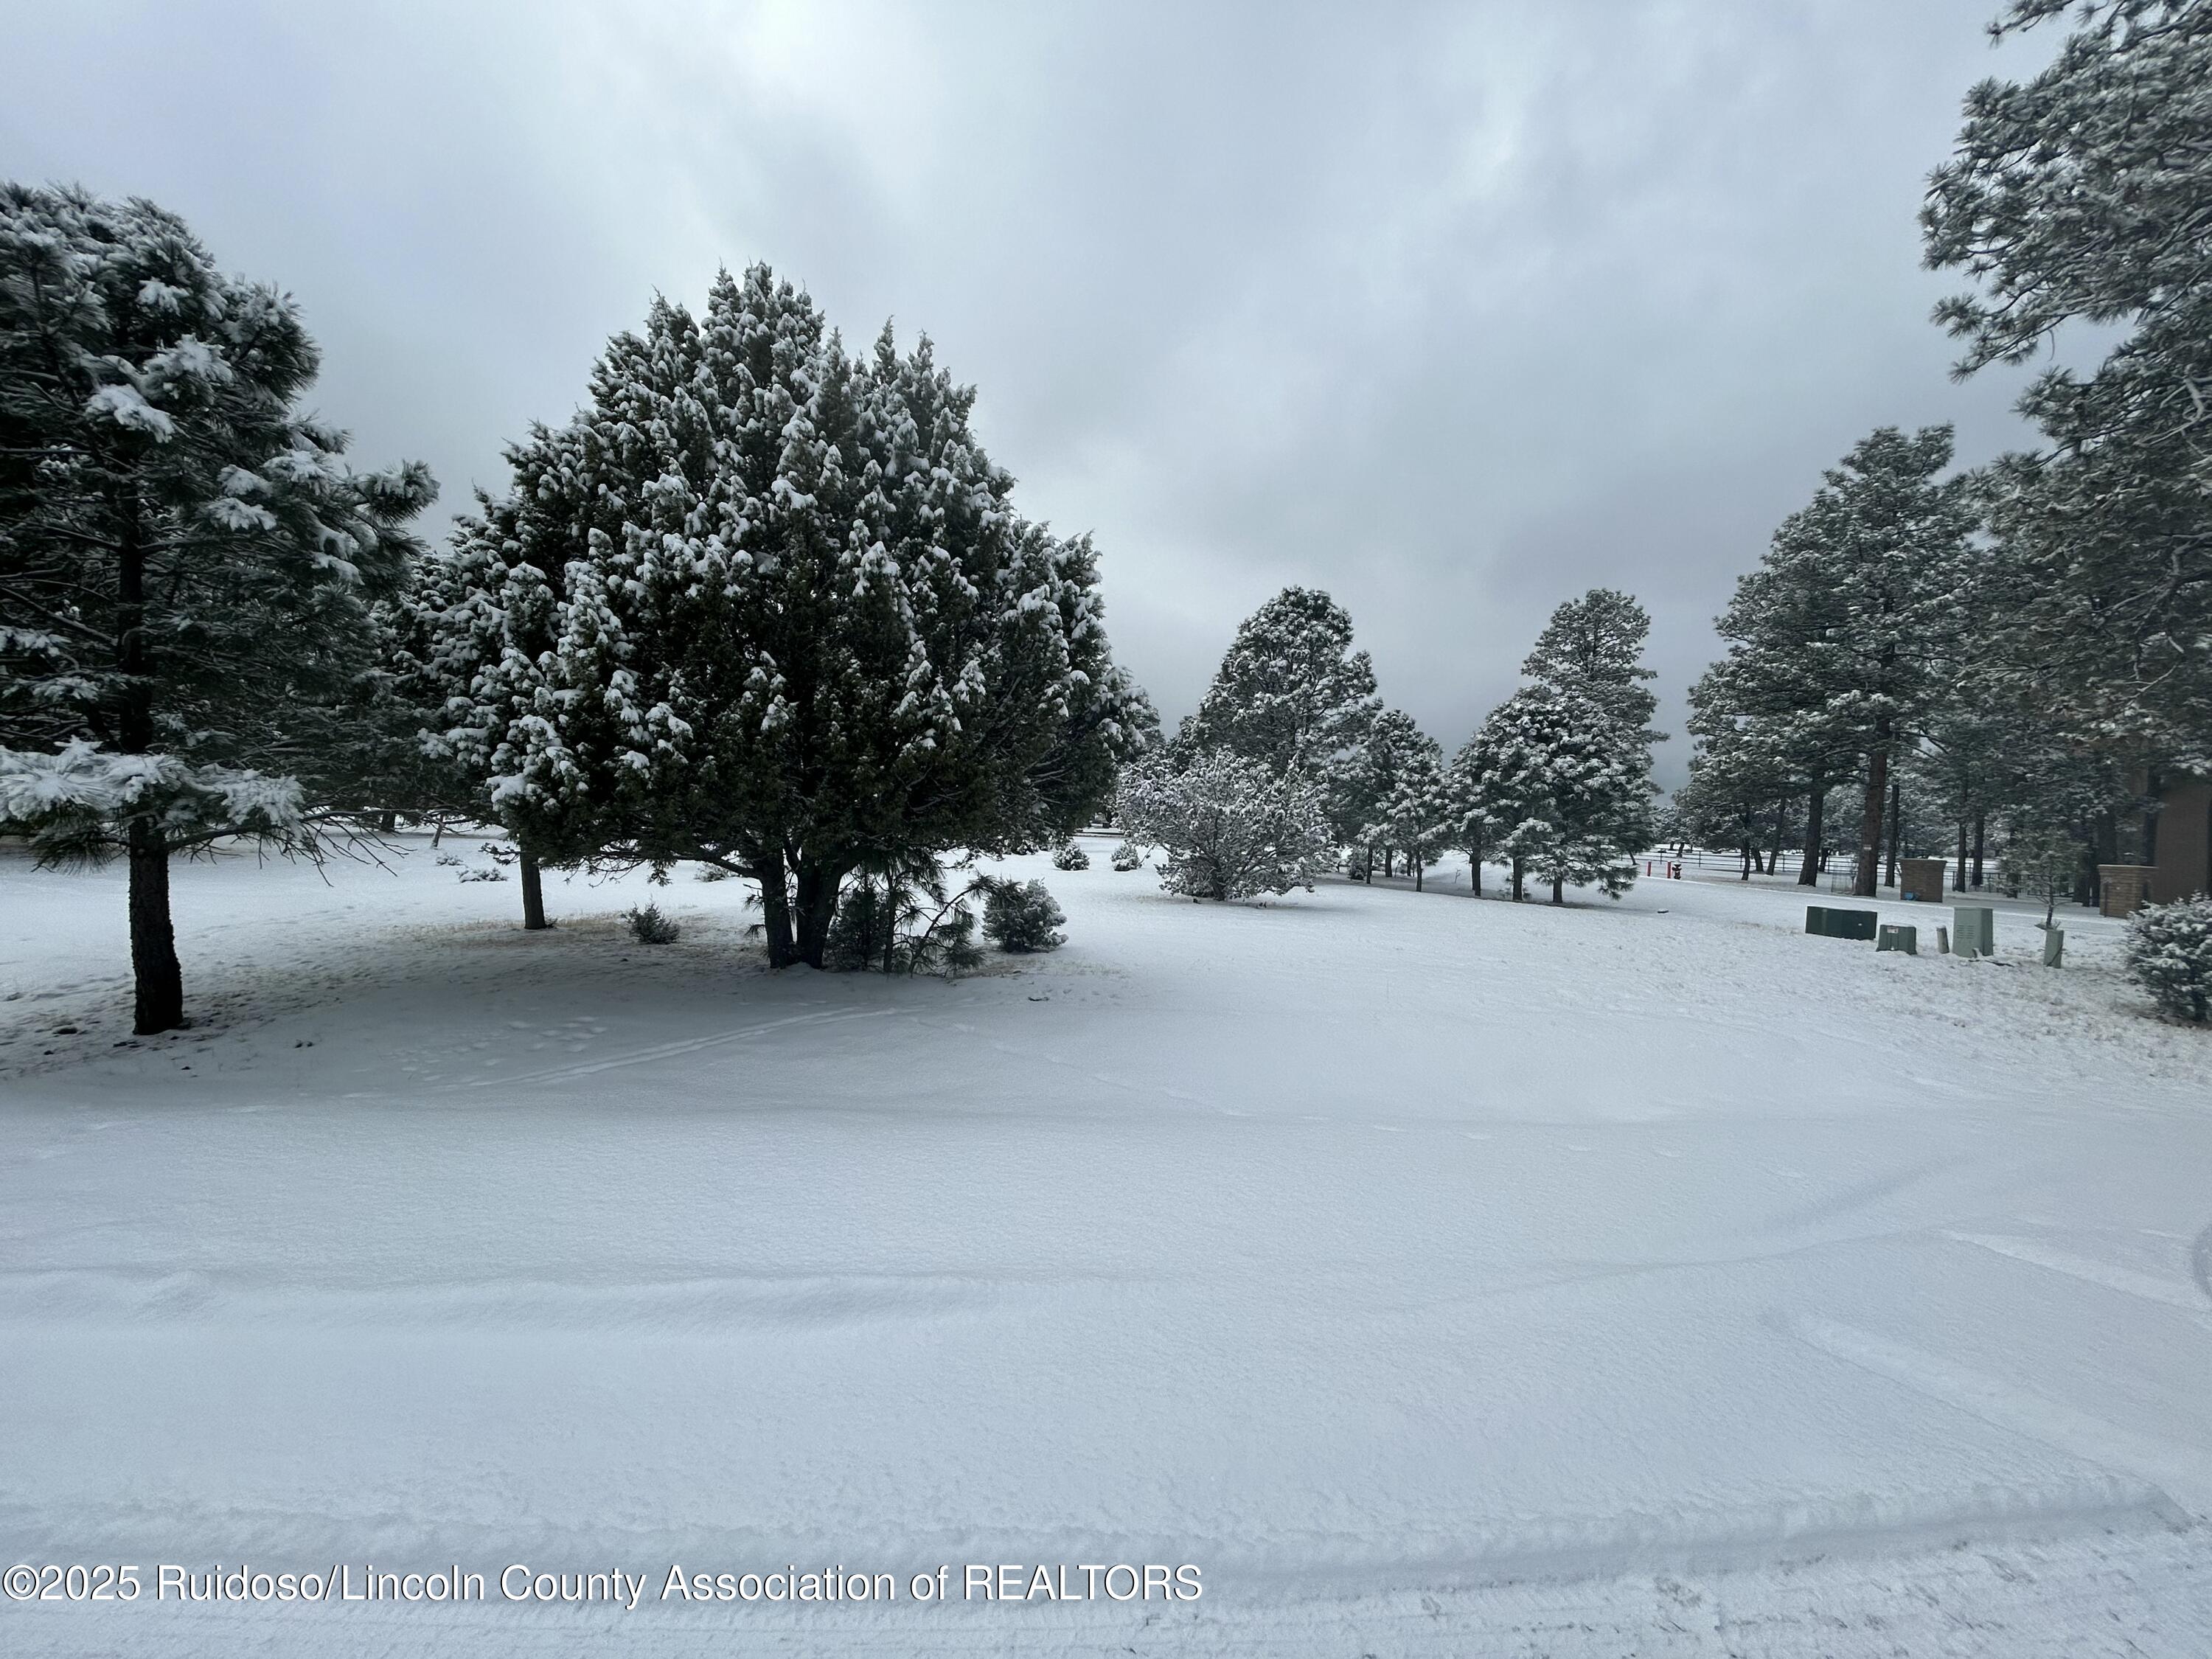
pixel 1127 857
pixel 2169 954
pixel 1020 916
pixel 1071 857
pixel 648 925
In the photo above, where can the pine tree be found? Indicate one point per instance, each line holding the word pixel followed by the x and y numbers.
pixel 188 568
pixel 797 625
pixel 1593 646
pixel 1770 692
pixel 1568 787
pixel 1365 784
pixel 1292 693
pixel 1887 538
pixel 2081 195
pixel 1418 818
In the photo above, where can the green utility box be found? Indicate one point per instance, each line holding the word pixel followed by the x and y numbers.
pixel 1974 929
pixel 1832 921
pixel 1895 938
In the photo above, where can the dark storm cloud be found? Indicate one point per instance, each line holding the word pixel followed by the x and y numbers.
pixel 1454 312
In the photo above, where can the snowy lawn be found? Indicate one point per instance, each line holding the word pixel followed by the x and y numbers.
pixel 1436 1276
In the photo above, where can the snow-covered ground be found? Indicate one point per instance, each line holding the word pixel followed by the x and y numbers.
pixel 1435 1276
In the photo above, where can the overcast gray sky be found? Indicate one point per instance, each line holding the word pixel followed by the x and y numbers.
pixel 1455 312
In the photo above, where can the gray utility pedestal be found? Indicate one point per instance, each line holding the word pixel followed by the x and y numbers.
pixel 1895 938
pixel 2054 947
pixel 1974 929
pixel 1832 921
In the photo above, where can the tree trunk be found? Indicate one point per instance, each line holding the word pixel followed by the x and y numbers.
pixel 1474 867
pixel 1387 856
pixel 1517 879
pixel 160 1001
pixel 1808 869
pixel 1420 869
pixel 1781 835
pixel 533 895
pixel 387 822
pixel 1867 881
pixel 775 909
pixel 1959 885
pixel 1896 829
pixel 814 908
pixel 1980 825
pixel 1558 890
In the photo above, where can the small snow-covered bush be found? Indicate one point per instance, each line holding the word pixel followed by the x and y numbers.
pixel 497 852
pixel 2169 954
pixel 649 926
pixel 1232 828
pixel 493 874
pixel 713 872
pixel 1126 857
pixel 447 861
pixel 1071 857
pixel 1020 916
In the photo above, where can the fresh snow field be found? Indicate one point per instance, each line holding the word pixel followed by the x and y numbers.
pixel 1436 1277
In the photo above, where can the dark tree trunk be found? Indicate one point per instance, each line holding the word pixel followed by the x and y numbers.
pixel 158 992
pixel 1896 829
pixel 1980 827
pixel 1474 867
pixel 775 909
pixel 1960 883
pixel 1517 879
pixel 160 1001
pixel 1387 856
pixel 1866 882
pixel 388 823
pixel 814 908
pixel 1809 868
pixel 1558 890
pixel 1420 869
pixel 533 895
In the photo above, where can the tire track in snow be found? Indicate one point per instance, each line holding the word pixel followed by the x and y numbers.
pixel 2179 1476
pixel 2126 1280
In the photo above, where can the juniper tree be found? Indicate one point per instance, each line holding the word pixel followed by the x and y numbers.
pixel 797 623
pixel 187 563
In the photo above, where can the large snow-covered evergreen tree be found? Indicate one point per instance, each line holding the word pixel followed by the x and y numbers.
pixel 1764 708
pixel 1593 646
pixel 1292 693
pixel 2085 195
pixel 768 604
pixel 1886 538
pixel 1365 784
pixel 1568 787
pixel 187 563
